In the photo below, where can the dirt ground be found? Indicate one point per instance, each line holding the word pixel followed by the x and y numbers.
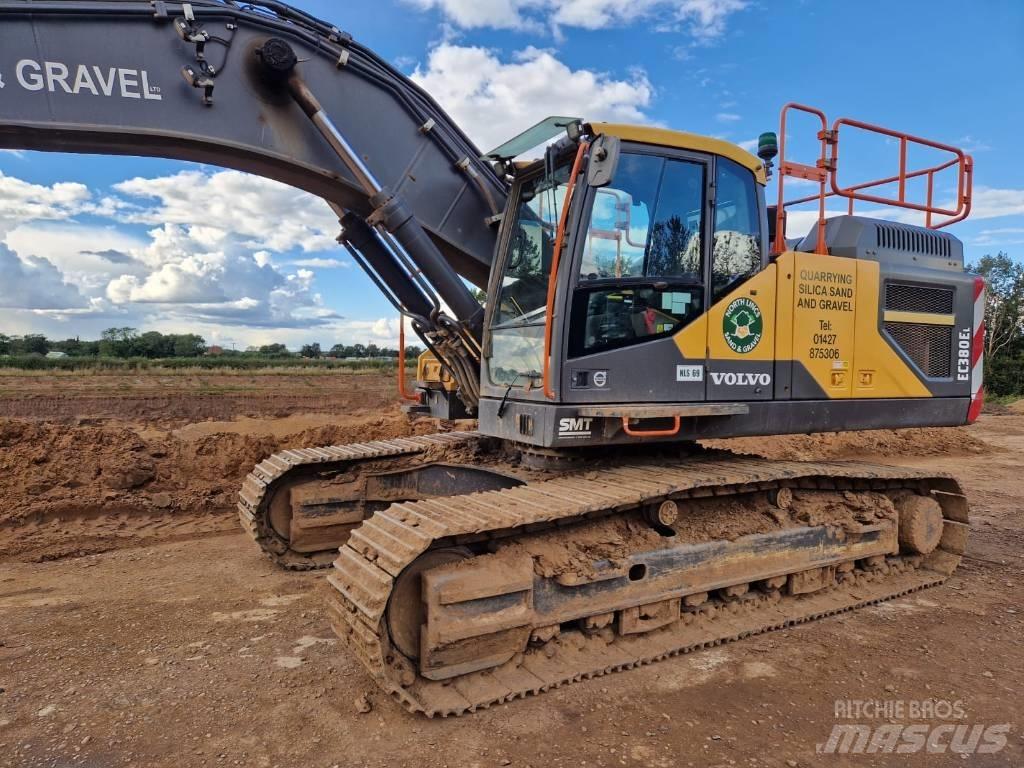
pixel 139 627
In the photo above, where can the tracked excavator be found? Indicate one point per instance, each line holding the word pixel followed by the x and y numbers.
pixel 641 295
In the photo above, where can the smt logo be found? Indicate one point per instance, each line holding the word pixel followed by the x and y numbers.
pixel 574 427
pixel 741 379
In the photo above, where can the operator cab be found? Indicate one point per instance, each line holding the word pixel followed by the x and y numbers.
pixel 659 226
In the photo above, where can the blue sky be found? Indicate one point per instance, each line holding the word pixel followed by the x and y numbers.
pixel 91 242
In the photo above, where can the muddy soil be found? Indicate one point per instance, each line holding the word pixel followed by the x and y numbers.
pixel 84 483
pixel 138 627
pixel 176 398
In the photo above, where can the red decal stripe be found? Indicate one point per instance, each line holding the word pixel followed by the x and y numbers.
pixel 979 344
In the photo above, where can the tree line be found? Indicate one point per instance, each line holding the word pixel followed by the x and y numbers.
pixel 1004 324
pixel 114 342
pixel 357 351
pixel 127 343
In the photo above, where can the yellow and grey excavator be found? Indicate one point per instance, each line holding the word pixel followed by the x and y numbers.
pixel 640 296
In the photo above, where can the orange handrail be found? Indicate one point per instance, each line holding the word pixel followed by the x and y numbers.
pixel 402 391
pixel 563 219
pixel 817 172
pixel 826 170
pixel 677 423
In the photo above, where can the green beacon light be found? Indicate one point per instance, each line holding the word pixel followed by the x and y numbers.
pixel 767 149
pixel 767 146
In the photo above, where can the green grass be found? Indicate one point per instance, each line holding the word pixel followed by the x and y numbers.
pixel 1002 399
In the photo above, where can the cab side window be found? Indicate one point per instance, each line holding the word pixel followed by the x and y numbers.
pixel 736 247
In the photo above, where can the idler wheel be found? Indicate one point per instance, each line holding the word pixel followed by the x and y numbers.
pixel 920 527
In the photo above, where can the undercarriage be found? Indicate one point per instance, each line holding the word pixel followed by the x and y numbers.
pixel 469 575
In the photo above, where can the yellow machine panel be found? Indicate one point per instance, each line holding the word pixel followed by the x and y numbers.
pixel 693 339
pixel 753 301
pixel 824 320
pixel 429 371
pixel 784 314
pixel 878 370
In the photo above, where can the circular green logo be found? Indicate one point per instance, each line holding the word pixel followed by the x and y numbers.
pixel 742 325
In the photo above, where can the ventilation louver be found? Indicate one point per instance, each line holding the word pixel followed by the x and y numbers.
pixel 916 240
pixel 929 346
pixel 915 298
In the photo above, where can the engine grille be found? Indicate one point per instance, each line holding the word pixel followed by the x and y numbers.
pixel 913 239
pixel 929 346
pixel 915 298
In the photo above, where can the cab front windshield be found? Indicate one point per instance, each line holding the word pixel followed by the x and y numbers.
pixel 517 331
pixel 531 242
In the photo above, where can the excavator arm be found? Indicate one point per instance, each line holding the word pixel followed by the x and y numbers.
pixel 269 90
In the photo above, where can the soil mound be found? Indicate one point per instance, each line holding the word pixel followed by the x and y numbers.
pixel 124 480
pixel 930 441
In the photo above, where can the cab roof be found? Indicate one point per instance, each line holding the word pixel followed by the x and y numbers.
pixel 681 140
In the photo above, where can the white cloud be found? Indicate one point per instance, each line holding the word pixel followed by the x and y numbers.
pixel 88 256
pixel 321 263
pixel 493 99
pixel 207 273
pixel 266 214
pixel 971 144
pixel 21 201
pixel 727 117
pixel 217 256
pixel 704 20
pixel 989 203
pixel 1003 231
pixel 34 283
pixel 473 14
pixel 1000 236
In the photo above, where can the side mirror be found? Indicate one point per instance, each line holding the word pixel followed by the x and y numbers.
pixel 604 159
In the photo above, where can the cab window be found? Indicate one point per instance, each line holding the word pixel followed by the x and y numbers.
pixel 642 261
pixel 736 247
pixel 524 283
pixel 648 223
pixel 517 330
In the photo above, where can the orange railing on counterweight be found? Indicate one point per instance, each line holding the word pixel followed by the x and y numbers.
pixel 825 171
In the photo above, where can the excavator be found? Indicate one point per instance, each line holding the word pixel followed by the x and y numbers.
pixel 640 296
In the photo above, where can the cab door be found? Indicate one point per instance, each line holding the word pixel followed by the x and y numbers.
pixel 741 330
pixel 640 267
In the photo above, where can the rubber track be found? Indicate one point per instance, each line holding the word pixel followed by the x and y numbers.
pixel 388 541
pixel 254 496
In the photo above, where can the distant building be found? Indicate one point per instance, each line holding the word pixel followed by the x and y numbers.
pixel 55 355
pixel 215 350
